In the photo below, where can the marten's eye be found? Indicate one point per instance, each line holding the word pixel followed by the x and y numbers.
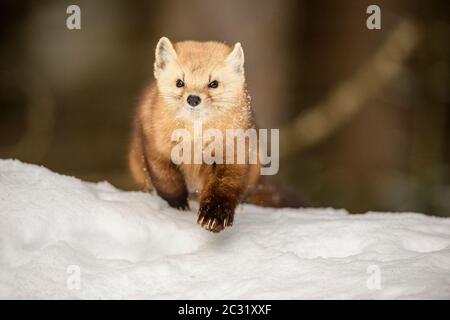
pixel 180 83
pixel 213 84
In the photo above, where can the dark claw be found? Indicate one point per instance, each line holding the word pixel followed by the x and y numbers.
pixel 214 217
pixel 180 204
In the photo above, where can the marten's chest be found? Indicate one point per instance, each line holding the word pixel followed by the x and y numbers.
pixel 194 176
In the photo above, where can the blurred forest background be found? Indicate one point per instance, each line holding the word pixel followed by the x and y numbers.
pixel 364 114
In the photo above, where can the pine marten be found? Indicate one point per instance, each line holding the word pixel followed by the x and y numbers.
pixel 196 81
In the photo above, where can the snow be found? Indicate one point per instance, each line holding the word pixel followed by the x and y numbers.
pixel 64 238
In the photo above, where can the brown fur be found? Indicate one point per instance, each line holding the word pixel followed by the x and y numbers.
pixel 162 110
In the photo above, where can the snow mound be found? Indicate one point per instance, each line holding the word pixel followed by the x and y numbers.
pixel 64 238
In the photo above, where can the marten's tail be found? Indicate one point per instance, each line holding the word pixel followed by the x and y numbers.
pixel 270 193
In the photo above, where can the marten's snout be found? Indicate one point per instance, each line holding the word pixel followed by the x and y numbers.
pixel 194 100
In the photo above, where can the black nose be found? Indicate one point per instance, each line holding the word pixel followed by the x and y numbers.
pixel 194 100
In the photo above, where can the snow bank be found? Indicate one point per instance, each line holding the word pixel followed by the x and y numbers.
pixel 64 238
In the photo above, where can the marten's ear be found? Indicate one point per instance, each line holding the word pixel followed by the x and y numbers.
pixel 236 58
pixel 164 54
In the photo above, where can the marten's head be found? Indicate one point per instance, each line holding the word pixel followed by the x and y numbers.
pixel 199 78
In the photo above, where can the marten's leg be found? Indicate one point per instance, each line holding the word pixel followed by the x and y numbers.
pixel 169 182
pixel 152 171
pixel 222 192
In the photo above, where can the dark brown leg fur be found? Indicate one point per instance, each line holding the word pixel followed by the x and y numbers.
pixel 169 183
pixel 221 194
pixel 166 178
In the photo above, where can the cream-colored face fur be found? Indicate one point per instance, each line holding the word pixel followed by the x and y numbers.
pixel 197 65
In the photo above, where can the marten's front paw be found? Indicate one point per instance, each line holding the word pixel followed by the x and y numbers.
pixel 178 203
pixel 214 217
